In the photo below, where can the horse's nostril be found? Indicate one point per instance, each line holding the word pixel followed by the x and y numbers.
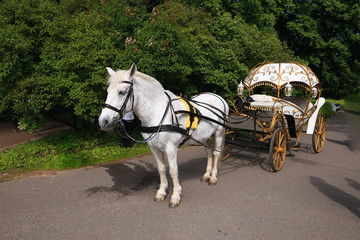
pixel 103 122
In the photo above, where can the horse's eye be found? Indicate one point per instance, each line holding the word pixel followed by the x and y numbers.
pixel 122 92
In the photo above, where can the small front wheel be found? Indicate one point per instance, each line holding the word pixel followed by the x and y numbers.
pixel 318 137
pixel 228 146
pixel 277 151
pixel 227 151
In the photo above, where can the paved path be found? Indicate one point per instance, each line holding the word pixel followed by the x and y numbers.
pixel 9 137
pixel 315 196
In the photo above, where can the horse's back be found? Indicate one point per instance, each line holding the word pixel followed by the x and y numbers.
pixel 211 105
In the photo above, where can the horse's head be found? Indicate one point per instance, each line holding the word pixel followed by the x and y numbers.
pixel 119 99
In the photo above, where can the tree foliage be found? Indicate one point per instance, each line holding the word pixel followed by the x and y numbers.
pixel 327 35
pixel 54 53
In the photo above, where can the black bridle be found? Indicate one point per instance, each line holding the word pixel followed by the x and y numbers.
pixel 128 96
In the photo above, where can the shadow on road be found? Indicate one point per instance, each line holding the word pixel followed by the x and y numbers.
pixel 131 177
pixel 243 157
pixel 128 178
pixel 345 143
pixel 354 184
pixel 337 195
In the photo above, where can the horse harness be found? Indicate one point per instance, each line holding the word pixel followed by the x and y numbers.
pixel 175 126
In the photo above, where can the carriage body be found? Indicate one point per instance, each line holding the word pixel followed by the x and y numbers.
pixel 272 120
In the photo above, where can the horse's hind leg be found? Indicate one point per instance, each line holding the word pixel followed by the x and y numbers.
pixel 218 148
pixel 160 161
pixel 210 156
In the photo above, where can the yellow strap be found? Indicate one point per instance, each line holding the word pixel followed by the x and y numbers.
pixel 193 124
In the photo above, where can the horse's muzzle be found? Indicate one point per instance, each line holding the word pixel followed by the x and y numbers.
pixel 106 123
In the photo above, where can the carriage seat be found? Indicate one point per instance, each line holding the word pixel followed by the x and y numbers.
pixel 264 102
pixel 296 107
pixel 299 101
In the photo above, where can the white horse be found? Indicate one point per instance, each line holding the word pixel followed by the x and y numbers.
pixel 134 91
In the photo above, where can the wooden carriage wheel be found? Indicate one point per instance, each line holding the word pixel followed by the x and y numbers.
pixel 227 151
pixel 318 137
pixel 227 147
pixel 277 151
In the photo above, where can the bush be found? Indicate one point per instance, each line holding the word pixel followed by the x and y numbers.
pixel 326 110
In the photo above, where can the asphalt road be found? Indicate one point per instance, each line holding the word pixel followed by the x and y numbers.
pixel 314 196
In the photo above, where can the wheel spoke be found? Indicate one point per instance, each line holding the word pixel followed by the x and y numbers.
pixel 317 145
pixel 281 138
pixel 276 160
pixel 274 155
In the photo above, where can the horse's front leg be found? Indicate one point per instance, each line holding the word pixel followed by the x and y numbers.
pixel 160 162
pixel 173 169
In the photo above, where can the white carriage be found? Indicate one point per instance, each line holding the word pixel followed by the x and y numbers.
pixel 273 119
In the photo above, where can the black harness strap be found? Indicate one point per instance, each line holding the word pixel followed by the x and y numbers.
pixel 202 117
pixel 163 128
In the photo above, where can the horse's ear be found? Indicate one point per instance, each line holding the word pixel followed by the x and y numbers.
pixel 110 71
pixel 133 69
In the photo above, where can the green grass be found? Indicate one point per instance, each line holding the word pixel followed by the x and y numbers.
pixel 352 107
pixel 352 102
pixel 66 150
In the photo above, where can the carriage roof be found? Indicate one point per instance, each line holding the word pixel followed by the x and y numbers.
pixel 279 74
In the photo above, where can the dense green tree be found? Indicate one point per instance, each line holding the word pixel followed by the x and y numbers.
pixel 326 34
pixel 22 26
pixel 54 53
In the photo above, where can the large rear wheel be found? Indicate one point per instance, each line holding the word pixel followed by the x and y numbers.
pixel 318 137
pixel 277 151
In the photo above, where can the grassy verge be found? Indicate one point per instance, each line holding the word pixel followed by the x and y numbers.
pixel 352 102
pixel 65 150
pixel 352 107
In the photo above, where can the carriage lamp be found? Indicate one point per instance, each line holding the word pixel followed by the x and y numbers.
pixel 288 89
pixel 314 92
pixel 240 89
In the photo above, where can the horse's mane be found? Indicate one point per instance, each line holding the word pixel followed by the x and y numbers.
pixel 149 80
pixel 150 85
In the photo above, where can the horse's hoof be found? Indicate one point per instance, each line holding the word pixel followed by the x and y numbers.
pixel 159 197
pixel 204 179
pixel 174 204
pixel 212 182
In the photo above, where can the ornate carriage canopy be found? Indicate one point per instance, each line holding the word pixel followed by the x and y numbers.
pixel 279 74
